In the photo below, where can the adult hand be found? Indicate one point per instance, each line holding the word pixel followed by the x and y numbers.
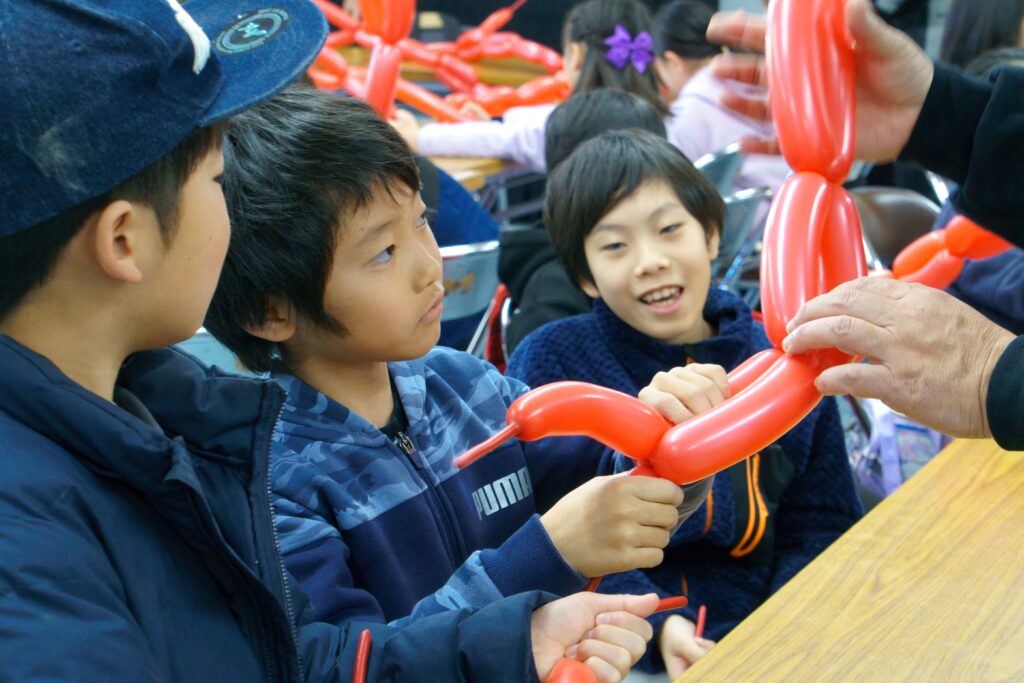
pixel 608 633
pixel 679 645
pixel 893 77
pixel 931 356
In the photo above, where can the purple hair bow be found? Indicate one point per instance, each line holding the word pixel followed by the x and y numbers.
pixel 623 49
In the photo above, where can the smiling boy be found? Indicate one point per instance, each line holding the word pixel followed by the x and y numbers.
pixel 636 226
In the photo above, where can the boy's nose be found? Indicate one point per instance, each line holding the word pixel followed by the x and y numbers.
pixel 649 260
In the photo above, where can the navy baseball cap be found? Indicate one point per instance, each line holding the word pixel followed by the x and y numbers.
pixel 94 91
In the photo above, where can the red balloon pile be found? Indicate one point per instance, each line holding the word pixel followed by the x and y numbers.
pixel 385 31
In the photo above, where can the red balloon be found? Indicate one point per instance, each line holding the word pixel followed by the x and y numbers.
pixel 617 420
pixel 382 78
pixel 571 671
pixel 940 272
pixel 790 265
pixel 749 370
pixel 427 102
pixel 743 425
pixel 389 19
pixel 966 238
pixel 810 59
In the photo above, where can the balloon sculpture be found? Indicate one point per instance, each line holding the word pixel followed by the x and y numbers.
pixel 385 31
pixel 810 245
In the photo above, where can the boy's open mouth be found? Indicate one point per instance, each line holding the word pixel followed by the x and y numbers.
pixel 662 297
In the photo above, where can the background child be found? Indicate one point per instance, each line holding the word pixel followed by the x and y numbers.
pixel 699 123
pixel 519 136
pixel 540 288
pixel 333 282
pixel 637 227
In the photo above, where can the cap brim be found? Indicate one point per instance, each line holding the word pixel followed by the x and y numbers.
pixel 260 49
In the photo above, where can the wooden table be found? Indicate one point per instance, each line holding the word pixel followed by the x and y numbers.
pixel 471 172
pixel 927 587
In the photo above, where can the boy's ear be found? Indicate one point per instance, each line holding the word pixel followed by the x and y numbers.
pixel 589 289
pixel 278 322
pixel 117 238
pixel 713 245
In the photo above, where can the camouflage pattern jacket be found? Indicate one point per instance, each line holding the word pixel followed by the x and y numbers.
pixel 377 532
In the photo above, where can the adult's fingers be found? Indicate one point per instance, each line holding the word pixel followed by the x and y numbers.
pixel 865 380
pixel 868 298
pixel 849 334
pixel 743 68
pixel 738 29
pixel 752 107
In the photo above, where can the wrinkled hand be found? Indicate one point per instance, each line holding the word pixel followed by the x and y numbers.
pixel 893 77
pixel 606 632
pixel 683 392
pixel 679 646
pixel 407 126
pixel 614 523
pixel 931 356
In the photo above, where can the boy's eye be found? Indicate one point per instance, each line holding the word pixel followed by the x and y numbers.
pixel 614 246
pixel 219 179
pixel 424 218
pixel 384 256
pixel 671 228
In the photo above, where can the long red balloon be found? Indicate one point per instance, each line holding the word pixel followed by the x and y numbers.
pixel 810 67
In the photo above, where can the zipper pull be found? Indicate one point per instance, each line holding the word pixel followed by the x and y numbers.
pixel 405 443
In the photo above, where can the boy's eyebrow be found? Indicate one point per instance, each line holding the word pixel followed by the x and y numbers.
pixel 373 233
pixel 653 215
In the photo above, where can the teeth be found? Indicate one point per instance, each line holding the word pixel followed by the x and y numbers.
pixel 661 294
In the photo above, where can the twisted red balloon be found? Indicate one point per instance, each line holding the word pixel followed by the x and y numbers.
pixel 937 258
pixel 384 30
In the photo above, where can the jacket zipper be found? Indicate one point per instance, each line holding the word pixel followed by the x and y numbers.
pixel 407 447
pixel 256 616
pixel 285 590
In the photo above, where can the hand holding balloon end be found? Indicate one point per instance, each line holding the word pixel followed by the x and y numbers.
pixel 614 523
pixel 930 355
pixel 893 77
pixel 607 632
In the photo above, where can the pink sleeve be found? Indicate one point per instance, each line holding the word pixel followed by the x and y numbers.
pixel 519 137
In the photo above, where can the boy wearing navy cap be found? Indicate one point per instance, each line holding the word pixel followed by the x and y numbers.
pixel 136 536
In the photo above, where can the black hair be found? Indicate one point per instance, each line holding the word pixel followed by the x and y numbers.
pixel 588 114
pixel 987 62
pixel 590 23
pixel 681 27
pixel 28 257
pixel 607 169
pixel 977 26
pixel 295 168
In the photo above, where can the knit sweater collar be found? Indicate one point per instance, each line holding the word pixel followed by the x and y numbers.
pixel 643 356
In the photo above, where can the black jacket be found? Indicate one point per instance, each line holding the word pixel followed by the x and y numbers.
pixel 137 543
pixel 540 289
pixel 972 132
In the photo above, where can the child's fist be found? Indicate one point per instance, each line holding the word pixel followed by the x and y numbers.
pixel 615 523
pixel 683 392
pixel 679 646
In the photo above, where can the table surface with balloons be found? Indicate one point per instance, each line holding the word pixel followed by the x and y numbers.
pixel 927 587
pixel 811 241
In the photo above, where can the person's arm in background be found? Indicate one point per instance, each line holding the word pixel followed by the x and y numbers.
pixel 519 137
